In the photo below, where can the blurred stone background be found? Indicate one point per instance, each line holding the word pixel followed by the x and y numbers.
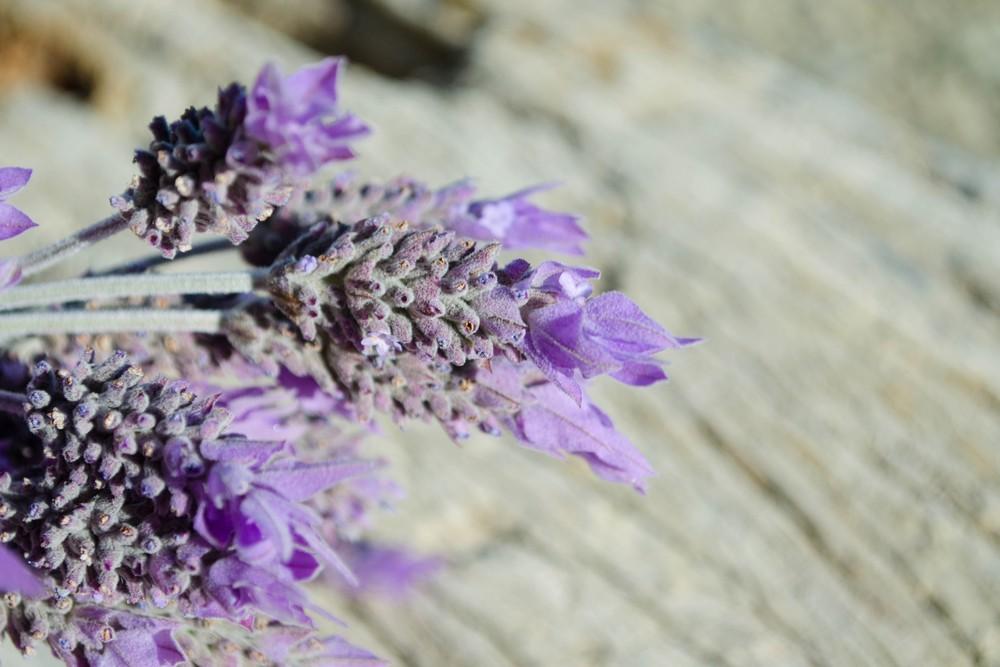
pixel 813 187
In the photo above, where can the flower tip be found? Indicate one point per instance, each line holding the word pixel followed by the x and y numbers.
pixel 13 179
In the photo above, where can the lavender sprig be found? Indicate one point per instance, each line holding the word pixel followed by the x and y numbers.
pixel 167 504
pixel 223 170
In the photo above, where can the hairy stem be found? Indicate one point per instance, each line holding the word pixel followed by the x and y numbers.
pixel 142 265
pixel 111 287
pixel 56 252
pixel 12 402
pixel 131 320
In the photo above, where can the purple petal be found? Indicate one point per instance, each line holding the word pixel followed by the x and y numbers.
pixel 241 450
pixel 338 653
pixel 388 571
pixel 271 526
pixel 297 117
pixel 12 179
pixel 326 553
pixel 314 86
pixel 556 333
pixel 215 525
pixel 13 222
pixel 301 481
pixel 302 565
pixel 17 576
pixel 549 277
pixel 518 223
pixel 619 321
pixel 561 378
pixel 640 374
pixel 140 648
pixel 557 425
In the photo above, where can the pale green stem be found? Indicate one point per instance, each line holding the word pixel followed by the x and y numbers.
pixel 54 253
pixel 131 320
pixel 114 287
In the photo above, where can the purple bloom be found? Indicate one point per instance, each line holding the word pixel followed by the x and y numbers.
pixel 127 640
pixel 12 220
pixel 570 331
pixel 297 116
pixel 518 223
pixel 258 512
pixel 135 494
pixel 544 417
pixel 388 571
pixel 226 169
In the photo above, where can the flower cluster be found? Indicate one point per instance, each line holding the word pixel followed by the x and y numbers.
pixel 225 170
pixel 137 495
pixel 178 462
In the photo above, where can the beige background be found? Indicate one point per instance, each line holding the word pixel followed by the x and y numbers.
pixel 813 187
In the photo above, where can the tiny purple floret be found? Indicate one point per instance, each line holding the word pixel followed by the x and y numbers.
pixel 518 223
pixel 12 220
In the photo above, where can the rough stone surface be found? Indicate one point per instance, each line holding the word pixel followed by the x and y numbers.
pixel 829 488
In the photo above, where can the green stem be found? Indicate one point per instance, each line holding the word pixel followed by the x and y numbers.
pixel 112 287
pixel 56 252
pixel 131 320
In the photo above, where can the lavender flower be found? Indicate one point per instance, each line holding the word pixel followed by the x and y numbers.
pixel 570 332
pixel 225 170
pixel 147 526
pixel 296 116
pixel 418 322
pixel 517 223
pixel 12 220
pixel 391 572
pixel 135 496
pixel 512 221
pixel 546 418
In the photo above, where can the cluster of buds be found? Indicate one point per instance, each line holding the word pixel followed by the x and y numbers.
pixel 167 503
pixel 408 317
pixel 139 497
pixel 224 170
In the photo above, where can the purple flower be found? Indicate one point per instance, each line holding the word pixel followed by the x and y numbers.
pixel 297 116
pixel 12 220
pixel 544 417
pixel 388 571
pixel 126 640
pixel 226 169
pixel 570 331
pixel 518 223
pixel 258 510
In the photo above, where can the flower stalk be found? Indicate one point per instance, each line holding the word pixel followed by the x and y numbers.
pixel 114 287
pixel 126 320
pixel 52 254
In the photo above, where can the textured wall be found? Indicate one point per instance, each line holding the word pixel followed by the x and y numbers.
pixel 810 186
